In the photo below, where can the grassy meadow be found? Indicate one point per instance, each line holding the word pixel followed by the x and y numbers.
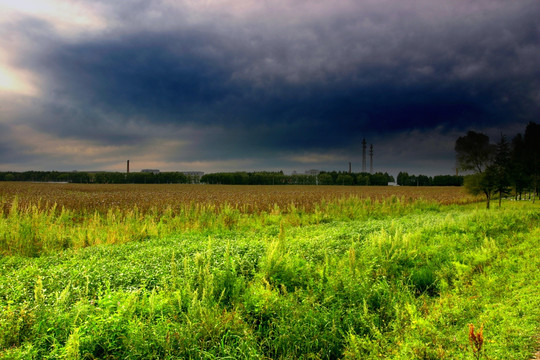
pixel 225 272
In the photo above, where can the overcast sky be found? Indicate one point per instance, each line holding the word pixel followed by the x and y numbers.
pixel 261 85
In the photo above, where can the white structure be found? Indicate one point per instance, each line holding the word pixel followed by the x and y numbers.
pixel 313 172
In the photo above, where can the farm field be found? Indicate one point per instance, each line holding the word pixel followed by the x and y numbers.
pixel 248 198
pixel 215 272
pixel 45 218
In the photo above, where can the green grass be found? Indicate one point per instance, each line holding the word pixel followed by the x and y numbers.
pixel 354 280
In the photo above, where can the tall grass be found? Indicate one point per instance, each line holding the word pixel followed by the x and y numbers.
pixel 37 229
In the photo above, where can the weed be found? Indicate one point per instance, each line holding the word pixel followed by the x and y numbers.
pixel 476 341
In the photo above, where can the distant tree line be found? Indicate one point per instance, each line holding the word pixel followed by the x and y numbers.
pixel 361 179
pixel 404 179
pixel 502 168
pixel 245 178
pixel 279 178
pixel 99 177
pixel 234 178
pixel 46 176
pixel 143 178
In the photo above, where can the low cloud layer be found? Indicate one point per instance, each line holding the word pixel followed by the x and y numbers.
pixel 245 85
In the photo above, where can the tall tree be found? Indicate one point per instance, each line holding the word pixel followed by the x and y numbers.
pixel 403 178
pixel 474 152
pixel 482 183
pixel 518 165
pixel 532 145
pixel 501 168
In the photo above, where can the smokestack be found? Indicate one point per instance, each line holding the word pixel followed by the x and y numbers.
pixel 364 155
pixel 371 159
pixel 350 168
pixel 128 166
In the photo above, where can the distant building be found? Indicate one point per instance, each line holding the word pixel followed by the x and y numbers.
pixel 150 171
pixel 313 172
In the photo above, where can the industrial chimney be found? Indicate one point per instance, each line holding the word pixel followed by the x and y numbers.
pixel 350 168
pixel 128 166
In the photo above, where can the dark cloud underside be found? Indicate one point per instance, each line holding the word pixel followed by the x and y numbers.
pixel 292 85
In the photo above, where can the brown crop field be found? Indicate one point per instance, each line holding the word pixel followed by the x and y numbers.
pixel 91 197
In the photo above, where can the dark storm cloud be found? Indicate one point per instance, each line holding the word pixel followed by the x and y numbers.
pixel 141 74
pixel 11 152
pixel 6 150
pixel 290 82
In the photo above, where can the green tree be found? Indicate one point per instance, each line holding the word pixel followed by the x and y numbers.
pixel 344 179
pixel 325 179
pixel 482 183
pixel 475 153
pixel 501 168
pixel 403 179
pixel 532 146
pixel 362 179
pixel 379 179
pixel 424 180
pixel 518 166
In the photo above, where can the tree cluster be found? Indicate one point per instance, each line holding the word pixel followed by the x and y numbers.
pixel 503 167
pixel 244 178
pixel 99 177
pixel 404 179
pixel 278 178
pixel 361 179
pixel 46 176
